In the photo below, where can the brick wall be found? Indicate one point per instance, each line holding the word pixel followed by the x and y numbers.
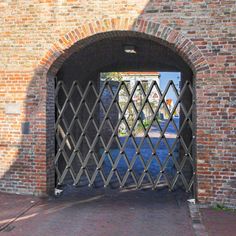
pixel 37 36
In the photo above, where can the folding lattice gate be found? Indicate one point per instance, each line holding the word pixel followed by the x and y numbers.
pixel 116 134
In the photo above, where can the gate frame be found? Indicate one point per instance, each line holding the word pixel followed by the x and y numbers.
pixel 69 43
pixel 67 125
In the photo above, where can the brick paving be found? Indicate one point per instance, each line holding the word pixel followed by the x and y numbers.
pixel 111 212
pixel 98 213
pixel 39 38
pixel 219 222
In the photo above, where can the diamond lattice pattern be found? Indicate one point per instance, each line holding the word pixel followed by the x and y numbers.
pixel 118 135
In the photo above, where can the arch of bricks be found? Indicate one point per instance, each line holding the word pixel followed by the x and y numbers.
pixel 88 33
pixel 68 43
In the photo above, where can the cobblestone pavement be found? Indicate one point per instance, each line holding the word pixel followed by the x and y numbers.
pixel 97 212
pixel 130 149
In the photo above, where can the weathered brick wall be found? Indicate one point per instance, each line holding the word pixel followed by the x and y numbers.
pixel 34 34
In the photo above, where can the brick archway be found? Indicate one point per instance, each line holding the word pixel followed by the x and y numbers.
pixel 88 33
pixel 69 43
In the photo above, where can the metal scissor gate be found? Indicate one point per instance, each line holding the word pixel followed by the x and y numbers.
pixel 118 134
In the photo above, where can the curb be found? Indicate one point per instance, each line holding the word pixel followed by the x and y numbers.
pixel 197 224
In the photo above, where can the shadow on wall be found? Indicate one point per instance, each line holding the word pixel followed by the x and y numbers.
pixel 33 169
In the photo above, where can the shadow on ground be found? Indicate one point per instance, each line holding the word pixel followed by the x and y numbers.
pixel 101 212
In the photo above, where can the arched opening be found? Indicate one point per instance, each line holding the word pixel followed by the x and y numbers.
pixel 96 143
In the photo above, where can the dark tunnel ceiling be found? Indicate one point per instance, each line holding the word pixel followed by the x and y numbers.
pixel 108 55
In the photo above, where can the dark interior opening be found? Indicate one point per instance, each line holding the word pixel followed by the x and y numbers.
pixel 129 52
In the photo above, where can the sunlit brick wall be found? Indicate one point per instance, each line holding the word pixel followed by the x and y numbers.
pixel 30 32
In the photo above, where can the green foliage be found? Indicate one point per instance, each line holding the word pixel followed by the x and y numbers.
pixel 147 123
pixel 141 126
pixel 122 133
pixel 221 207
pixel 116 76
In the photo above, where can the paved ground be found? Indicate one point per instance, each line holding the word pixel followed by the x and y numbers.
pixel 219 222
pixel 97 213
pixel 145 147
